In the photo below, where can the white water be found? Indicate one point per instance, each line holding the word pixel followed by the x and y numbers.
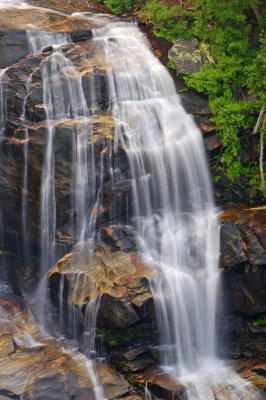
pixel 63 99
pixel 38 40
pixel 22 5
pixel 174 214
pixel 2 102
pixel 12 4
pixel 147 393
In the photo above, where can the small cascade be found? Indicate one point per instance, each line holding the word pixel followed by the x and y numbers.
pixel 2 102
pixel 12 3
pixel 63 99
pixel 147 393
pixel 38 40
pixel 89 330
pixel 25 198
pixel 25 204
pixel 97 388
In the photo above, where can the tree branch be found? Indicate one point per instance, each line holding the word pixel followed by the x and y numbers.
pixel 256 127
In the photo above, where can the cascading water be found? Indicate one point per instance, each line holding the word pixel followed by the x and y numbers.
pixel 63 98
pixel 38 40
pixel 2 102
pixel 174 215
pixel 12 3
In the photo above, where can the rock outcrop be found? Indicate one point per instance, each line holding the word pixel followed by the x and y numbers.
pixel 37 366
pixel 26 132
pixel 187 56
pixel 243 258
pixel 117 278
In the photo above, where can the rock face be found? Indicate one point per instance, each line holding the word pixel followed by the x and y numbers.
pixel 37 367
pixel 187 56
pixel 13 47
pixel 243 237
pixel 26 133
pixel 243 249
pixel 118 279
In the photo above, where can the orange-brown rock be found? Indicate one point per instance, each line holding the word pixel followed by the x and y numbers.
pixel 253 370
pixel 119 278
pixel 243 237
pixel 37 366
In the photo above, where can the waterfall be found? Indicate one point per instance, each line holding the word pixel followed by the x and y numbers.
pixel 63 99
pixel 175 218
pixel 147 393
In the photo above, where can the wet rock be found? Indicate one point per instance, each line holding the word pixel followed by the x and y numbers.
pixel 6 344
pixel 213 143
pixel 119 278
pixel 22 19
pixel 253 370
pixel 13 47
pixel 207 127
pixel 80 35
pixel 195 104
pixel 134 359
pixel 113 383
pixel 40 369
pixel 238 337
pixel 245 290
pixel 243 279
pixel 243 255
pixel 118 237
pixel 117 313
pixel 232 246
pixel 243 237
pixel 36 372
pixel 162 384
pixel 12 168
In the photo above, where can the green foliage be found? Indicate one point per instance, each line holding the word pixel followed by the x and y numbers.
pixel 255 72
pixel 119 6
pixel 260 321
pixel 236 82
pixel 171 64
pixel 169 22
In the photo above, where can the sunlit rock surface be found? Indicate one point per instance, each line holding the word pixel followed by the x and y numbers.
pixel 119 278
pixel 37 366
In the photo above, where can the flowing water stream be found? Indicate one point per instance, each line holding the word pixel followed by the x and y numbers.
pixel 175 220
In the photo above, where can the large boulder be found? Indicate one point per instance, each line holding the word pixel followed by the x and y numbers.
pixel 187 56
pixel 119 280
